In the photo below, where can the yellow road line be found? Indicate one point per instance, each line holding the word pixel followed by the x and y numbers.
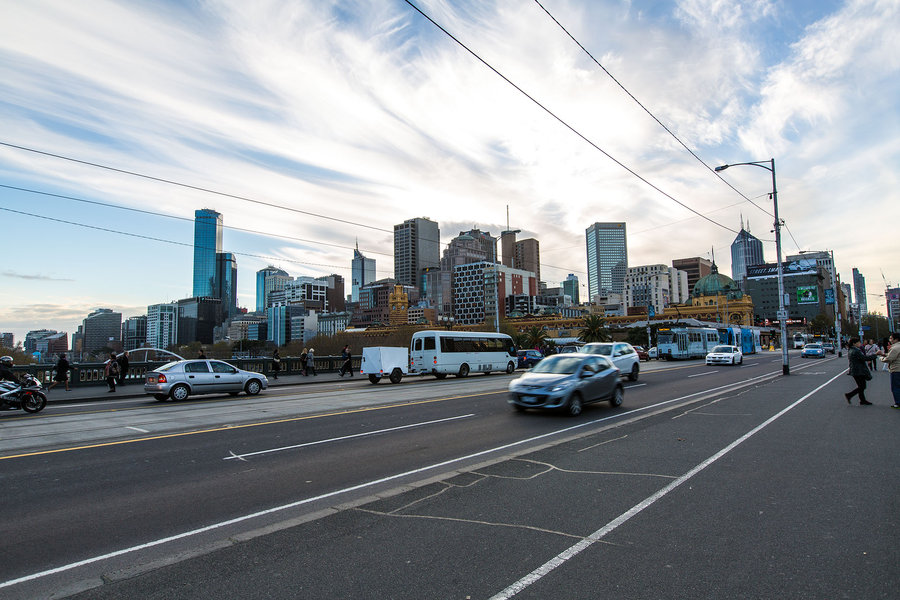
pixel 242 426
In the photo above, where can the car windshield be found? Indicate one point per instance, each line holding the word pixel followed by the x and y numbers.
pixel 559 364
pixel 723 349
pixel 604 349
pixel 814 346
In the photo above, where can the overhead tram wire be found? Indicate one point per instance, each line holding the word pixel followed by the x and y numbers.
pixel 564 123
pixel 163 240
pixel 647 110
pixel 188 219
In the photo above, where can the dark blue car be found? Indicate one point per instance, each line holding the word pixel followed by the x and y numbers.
pixel 529 358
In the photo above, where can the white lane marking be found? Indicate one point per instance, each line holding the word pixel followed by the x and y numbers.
pixel 572 551
pixel 361 486
pixel 702 374
pixel 137 429
pixel 345 437
pixel 628 387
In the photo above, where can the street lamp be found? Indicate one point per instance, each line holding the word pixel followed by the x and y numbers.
pixel 446 321
pixel 782 313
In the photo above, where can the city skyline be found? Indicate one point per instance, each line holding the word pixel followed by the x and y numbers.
pixel 354 120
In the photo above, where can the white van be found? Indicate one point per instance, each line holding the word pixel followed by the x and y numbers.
pixel 459 353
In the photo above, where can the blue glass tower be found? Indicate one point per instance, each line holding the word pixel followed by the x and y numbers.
pixel 607 258
pixel 207 243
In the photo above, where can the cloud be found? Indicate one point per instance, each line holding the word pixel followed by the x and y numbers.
pixel 15 275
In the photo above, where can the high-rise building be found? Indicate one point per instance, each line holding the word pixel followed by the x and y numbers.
pixel 197 318
pixel 480 291
pixel 134 332
pixel 607 259
pixel 746 251
pixel 859 286
pixel 268 280
pixel 695 267
pixel 362 273
pixel 417 245
pixel 102 329
pixel 207 244
pixel 892 297
pixel 570 288
pixel 33 337
pixel 655 286
pixel 7 340
pixel 528 257
pixel 162 325
pixel 226 282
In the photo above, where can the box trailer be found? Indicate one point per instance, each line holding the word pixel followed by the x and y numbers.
pixel 384 361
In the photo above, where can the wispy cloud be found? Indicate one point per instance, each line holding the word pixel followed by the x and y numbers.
pixel 33 277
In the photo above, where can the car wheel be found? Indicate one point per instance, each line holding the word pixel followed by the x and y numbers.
pixel 463 370
pixel 618 397
pixel 635 370
pixel 374 378
pixel 575 405
pixel 741 361
pixel 179 392
pixel 510 368
pixel 253 386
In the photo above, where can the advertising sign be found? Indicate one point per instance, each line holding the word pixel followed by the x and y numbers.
pixel 807 294
pixel 829 296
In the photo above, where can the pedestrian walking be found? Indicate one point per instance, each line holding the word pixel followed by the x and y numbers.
pixel 276 363
pixel 111 370
pixel 311 361
pixel 860 372
pixel 122 359
pixel 62 373
pixel 346 359
pixel 872 352
pixel 303 358
pixel 892 361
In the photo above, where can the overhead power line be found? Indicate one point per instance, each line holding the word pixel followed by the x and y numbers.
pixel 647 110
pixel 563 122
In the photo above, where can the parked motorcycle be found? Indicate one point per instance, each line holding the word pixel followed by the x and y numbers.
pixel 29 396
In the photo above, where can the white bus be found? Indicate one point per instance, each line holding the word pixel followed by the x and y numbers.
pixel 459 353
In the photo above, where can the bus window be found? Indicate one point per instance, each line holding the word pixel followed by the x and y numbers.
pixel 417 344
pixel 429 343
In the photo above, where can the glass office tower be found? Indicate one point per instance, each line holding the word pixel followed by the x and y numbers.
pixel 607 259
pixel 207 243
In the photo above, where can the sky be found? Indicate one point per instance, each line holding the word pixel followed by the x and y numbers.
pixel 314 126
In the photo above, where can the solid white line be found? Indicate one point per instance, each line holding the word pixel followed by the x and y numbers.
pixel 233 456
pixel 354 488
pixel 628 387
pixel 702 374
pixel 565 555
pixel 137 429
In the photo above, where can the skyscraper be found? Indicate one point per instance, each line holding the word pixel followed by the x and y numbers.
pixel 207 243
pixel 417 245
pixel 746 251
pixel 226 283
pixel 268 280
pixel 362 273
pixel 570 288
pixel 528 257
pixel 607 259
pixel 859 287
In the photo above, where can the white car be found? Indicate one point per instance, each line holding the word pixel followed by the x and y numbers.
pixel 623 356
pixel 725 355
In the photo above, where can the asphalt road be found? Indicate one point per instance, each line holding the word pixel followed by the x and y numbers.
pixel 710 482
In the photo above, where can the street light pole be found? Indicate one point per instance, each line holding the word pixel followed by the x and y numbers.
pixel 782 313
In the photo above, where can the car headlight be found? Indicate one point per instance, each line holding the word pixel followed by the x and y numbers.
pixel 561 386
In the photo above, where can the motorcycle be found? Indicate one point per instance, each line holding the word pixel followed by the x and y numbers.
pixel 29 396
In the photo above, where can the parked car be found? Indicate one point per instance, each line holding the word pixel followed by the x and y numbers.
pixel 622 355
pixel 653 352
pixel 642 354
pixel 814 350
pixel 180 379
pixel 568 349
pixel 567 382
pixel 725 355
pixel 828 346
pixel 529 358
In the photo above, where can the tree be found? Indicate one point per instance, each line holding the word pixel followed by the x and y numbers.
pixel 637 336
pixel 875 326
pixel 821 324
pixel 594 330
pixel 535 337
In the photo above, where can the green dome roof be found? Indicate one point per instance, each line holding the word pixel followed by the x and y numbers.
pixel 716 284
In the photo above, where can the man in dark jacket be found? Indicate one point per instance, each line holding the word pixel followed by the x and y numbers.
pixel 859 370
pixel 122 359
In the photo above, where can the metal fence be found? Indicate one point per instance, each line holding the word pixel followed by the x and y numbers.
pixel 87 374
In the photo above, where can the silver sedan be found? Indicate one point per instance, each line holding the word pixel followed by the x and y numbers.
pixel 180 379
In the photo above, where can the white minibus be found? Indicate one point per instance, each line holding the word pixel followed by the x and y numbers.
pixel 459 353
